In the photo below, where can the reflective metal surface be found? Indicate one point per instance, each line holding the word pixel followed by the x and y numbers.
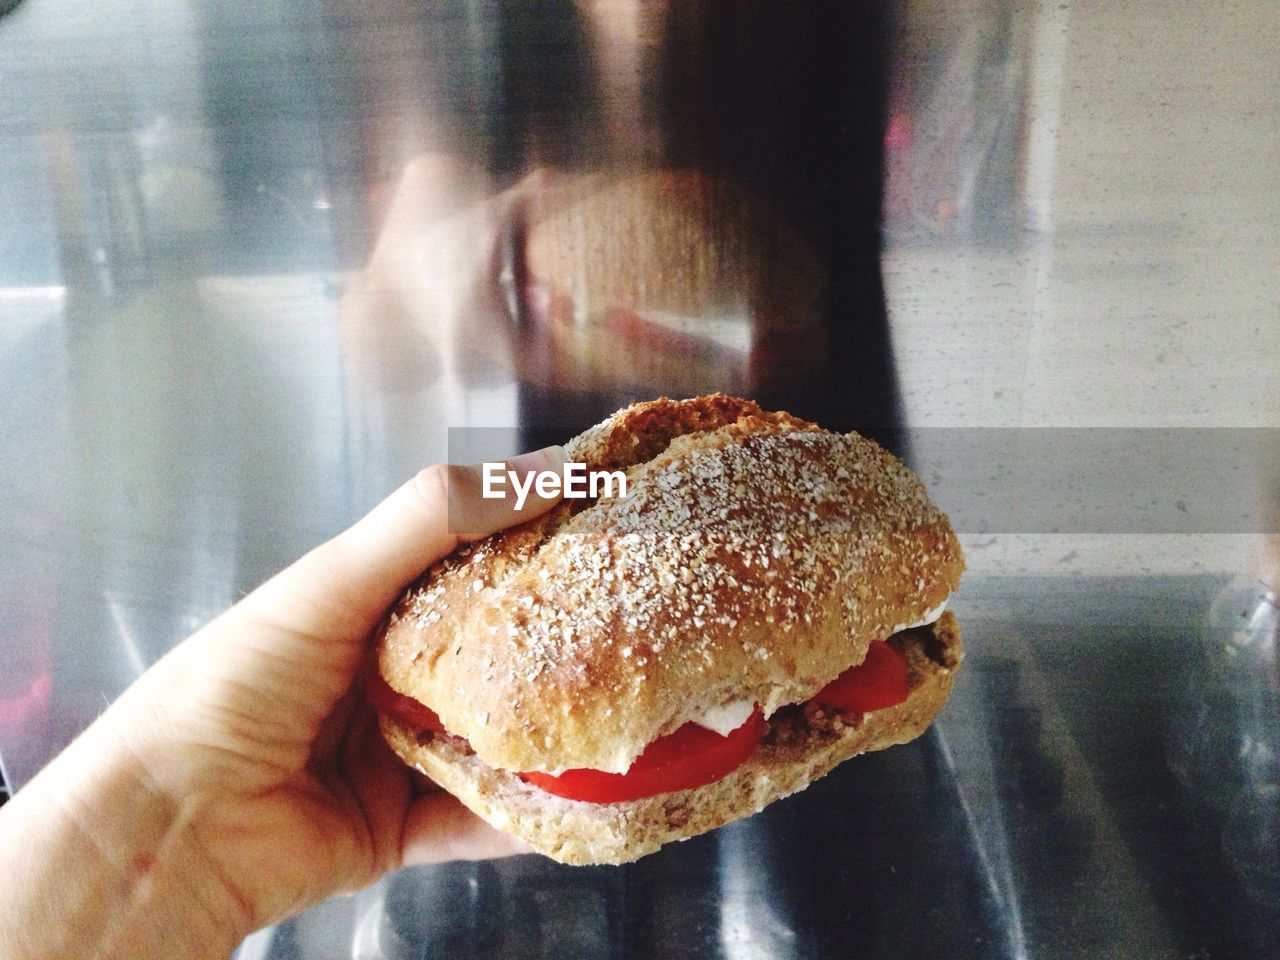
pixel 256 259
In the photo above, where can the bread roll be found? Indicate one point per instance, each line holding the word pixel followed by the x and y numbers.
pixel 755 559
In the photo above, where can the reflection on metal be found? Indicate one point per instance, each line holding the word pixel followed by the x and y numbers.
pixel 124 633
pixel 754 922
pixel 1030 793
pixel 1045 80
pixel 50 292
pixel 956 115
pixel 1224 743
pixel 976 783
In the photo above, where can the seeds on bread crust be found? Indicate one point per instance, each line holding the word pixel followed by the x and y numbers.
pixel 756 557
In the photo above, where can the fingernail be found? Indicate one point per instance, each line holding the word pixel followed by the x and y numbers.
pixel 548 458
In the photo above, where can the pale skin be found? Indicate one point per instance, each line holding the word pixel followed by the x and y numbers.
pixel 242 777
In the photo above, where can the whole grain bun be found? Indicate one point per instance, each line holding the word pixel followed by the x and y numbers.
pixel 802 745
pixel 755 558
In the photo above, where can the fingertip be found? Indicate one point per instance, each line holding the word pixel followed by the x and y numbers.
pixel 548 458
pixel 439 829
pixel 478 508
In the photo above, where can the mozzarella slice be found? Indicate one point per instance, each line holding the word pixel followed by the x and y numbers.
pixel 929 617
pixel 724 720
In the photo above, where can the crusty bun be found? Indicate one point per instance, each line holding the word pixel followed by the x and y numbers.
pixel 802 745
pixel 755 559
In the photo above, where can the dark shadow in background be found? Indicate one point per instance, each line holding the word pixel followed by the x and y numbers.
pixel 789 102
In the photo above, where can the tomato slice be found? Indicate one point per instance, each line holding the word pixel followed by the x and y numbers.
pixel 690 757
pixel 877 682
pixel 405 709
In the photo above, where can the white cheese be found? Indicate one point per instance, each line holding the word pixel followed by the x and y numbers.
pixel 724 720
pixel 930 616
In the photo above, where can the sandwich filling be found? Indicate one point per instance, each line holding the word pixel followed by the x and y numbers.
pixel 697 753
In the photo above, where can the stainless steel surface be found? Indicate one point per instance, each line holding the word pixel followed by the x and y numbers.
pixel 256 259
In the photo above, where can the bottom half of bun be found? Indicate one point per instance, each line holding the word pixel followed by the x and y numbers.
pixel 804 743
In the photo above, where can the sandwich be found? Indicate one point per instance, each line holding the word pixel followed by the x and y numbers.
pixel 766 601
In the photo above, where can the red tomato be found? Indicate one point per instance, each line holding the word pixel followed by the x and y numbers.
pixel 877 682
pixel 690 757
pixel 405 709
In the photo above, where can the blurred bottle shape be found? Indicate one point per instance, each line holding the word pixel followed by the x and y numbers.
pixel 1224 744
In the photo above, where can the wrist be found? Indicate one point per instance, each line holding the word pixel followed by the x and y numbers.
pixel 105 862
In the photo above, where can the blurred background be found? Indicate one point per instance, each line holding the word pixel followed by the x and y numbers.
pixel 257 260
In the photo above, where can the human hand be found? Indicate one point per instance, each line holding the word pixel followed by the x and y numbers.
pixel 243 777
pixel 430 301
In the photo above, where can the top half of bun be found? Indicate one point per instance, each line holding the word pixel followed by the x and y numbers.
pixel 755 558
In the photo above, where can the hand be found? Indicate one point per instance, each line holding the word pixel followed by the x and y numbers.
pixel 430 299
pixel 242 777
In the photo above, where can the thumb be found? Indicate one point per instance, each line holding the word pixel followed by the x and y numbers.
pixel 342 588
